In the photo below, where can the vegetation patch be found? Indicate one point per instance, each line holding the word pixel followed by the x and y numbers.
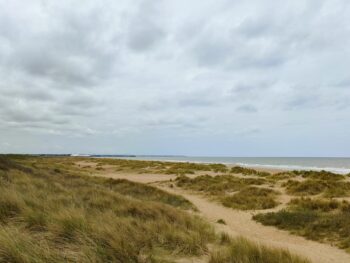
pixel 318 175
pixel 217 185
pixel 51 212
pixel 240 250
pixel 176 168
pixel 317 219
pixel 146 192
pixel 47 216
pixel 248 171
pixel 232 191
pixel 221 221
pixel 336 188
pixel 251 198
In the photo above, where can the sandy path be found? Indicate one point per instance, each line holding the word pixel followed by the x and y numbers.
pixel 240 223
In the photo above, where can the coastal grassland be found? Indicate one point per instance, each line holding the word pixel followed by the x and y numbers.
pixel 324 220
pixel 319 175
pixel 165 167
pixel 328 188
pixel 240 250
pixel 248 171
pixel 48 216
pixel 51 212
pixel 232 191
pixel 217 185
pixel 146 192
pixel 251 198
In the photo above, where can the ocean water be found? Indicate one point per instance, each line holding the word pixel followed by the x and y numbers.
pixel 336 165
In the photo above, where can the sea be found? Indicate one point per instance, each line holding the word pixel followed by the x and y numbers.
pixel 332 164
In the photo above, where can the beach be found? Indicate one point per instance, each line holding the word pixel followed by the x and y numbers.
pixel 238 223
pixel 210 209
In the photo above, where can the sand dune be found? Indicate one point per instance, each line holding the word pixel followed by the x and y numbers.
pixel 240 223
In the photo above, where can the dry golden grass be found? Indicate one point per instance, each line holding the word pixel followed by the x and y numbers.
pixel 251 198
pixel 329 188
pixel 50 216
pixel 240 250
pixel 324 220
pixel 176 168
pixel 232 191
pixel 51 212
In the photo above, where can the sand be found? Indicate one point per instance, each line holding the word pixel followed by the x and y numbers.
pixel 240 223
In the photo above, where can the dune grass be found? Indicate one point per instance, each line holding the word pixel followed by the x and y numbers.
pixel 248 171
pixel 319 175
pixel 328 188
pixel 51 212
pixel 176 168
pixel 240 250
pixel 48 216
pixel 217 185
pixel 324 220
pixel 232 191
pixel 146 192
pixel 251 198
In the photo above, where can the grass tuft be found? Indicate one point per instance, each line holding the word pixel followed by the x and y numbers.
pixel 248 171
pixel 250 198
pixel 50 216
pixel 240 250
pixel 221 221
pixel 318 219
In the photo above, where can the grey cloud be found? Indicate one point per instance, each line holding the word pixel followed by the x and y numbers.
pixel 29 93
pixel 160 71
pixel 202 98
pixel 82 101
pixel 68 52
pixel 250 90
pixel 187 122
pixel 247 109
pixel 237 54
pixel 144 33
pixel 211 52
pixel 249 132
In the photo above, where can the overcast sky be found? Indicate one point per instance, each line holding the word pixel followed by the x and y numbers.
pixel 194 77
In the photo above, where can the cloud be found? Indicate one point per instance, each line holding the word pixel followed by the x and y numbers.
pixel 164 72
pixel 144 32
pixel 247 109
pixel 144 35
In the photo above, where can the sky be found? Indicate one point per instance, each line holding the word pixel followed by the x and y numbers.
pixel 204 78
